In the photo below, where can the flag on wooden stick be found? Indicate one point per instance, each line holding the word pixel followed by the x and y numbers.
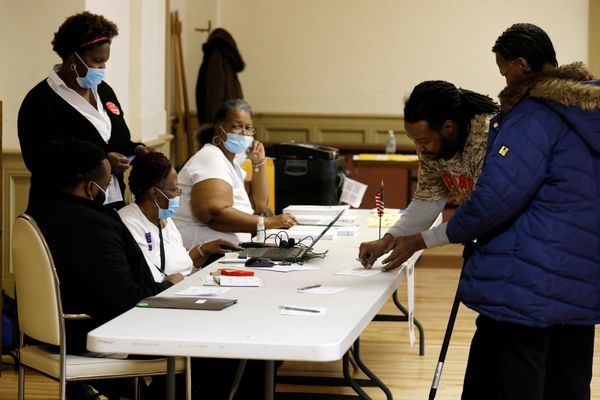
pixel 379 201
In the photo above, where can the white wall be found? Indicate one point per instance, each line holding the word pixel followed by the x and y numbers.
pixel 137 64
pixel 136 68
pixel 302 56
pixel 192 14
pixel 26 29
pixel 356 56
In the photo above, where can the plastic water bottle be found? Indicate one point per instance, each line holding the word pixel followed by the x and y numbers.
pixel 260 230
pixel 390 146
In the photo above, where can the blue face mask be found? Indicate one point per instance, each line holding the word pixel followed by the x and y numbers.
pixel 172 207
pixel 92 78
pixel 101 199
pixel 237 143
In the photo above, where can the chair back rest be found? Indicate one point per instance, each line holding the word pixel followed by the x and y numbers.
pixel 37 288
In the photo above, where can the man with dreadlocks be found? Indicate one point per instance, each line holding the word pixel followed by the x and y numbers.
pixel 449 128
pixel 534 274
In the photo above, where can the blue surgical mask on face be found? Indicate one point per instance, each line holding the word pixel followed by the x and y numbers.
pixel 237 143
pixel 171 208
pixel 104 193
pixel 92 78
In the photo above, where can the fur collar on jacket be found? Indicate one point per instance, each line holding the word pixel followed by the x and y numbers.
pixel 565 85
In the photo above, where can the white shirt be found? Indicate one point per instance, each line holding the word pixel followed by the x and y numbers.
pixel 147 237
pixel 96 115
pixel 210 163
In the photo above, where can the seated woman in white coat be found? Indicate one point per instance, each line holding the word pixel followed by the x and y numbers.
pixel 153 182
pixel 217 198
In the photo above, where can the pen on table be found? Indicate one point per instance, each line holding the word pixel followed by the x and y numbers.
pixel 289 308
pixel 308 287
pixel 232 261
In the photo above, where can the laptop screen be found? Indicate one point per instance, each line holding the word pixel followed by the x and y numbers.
pixel 309 248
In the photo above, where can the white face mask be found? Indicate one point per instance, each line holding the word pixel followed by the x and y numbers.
pixel 105 193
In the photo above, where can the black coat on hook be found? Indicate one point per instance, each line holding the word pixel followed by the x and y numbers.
pixel 217 78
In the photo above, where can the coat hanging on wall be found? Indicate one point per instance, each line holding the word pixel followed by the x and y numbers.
pixel 217 77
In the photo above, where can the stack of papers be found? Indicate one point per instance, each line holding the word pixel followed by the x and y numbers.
pixel 388 219
pixel 325 211
pixel 350 230
pixel 224 280
pixel 347 218
pixel 238 281
pixel 312 218
pixel 298 232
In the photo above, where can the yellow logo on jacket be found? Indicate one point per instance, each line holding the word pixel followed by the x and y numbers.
pixel 503 151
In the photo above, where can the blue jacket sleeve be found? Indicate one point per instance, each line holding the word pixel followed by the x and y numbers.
pixel 514 169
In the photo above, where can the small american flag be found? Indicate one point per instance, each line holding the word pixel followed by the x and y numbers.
pixel 379 203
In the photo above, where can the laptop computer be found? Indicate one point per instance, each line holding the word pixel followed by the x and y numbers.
pixel 292 254
pixel 189 303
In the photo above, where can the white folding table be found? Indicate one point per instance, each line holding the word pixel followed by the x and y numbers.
pixel 254 327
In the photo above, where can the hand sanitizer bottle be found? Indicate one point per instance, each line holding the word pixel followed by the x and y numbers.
pixel 390 146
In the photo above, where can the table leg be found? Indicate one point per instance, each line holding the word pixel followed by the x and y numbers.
pixel 171 378
pixel 369 373
pixel 350 380
pixel 269 379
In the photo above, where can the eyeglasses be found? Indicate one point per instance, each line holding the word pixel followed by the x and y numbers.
pixel 242 130
pixel 177 190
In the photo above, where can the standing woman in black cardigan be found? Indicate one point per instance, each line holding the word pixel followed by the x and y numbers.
pixel 75 102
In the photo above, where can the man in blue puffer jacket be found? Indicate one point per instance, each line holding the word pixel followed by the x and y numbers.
pixel 534 275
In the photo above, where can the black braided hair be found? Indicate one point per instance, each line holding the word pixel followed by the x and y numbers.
pixel 79 29
pixel 439 101
pixel 529 42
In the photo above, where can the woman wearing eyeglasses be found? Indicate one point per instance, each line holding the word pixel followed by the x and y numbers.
pixel 153 182
pixel 218 200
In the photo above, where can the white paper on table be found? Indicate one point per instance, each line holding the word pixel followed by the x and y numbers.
pixel 352 192
pixel 288 268
pixel 323 290
pixel 203 291
pixel 361 272
pixel 302 310
pixel 239 280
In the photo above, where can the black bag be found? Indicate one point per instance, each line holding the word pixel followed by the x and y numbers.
pixel 10 327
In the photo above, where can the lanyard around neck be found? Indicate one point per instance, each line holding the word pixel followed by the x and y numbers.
pixel 162 249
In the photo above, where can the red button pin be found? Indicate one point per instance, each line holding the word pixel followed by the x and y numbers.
pixel 112 107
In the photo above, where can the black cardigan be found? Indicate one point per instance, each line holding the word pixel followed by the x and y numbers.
pixel 45 116
pixel 101 269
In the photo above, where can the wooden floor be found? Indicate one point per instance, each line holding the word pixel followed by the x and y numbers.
pixel 384 346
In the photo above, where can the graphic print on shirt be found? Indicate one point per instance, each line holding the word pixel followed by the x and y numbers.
pixel 460 186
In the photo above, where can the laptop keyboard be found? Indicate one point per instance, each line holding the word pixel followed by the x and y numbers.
pixel 280 252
